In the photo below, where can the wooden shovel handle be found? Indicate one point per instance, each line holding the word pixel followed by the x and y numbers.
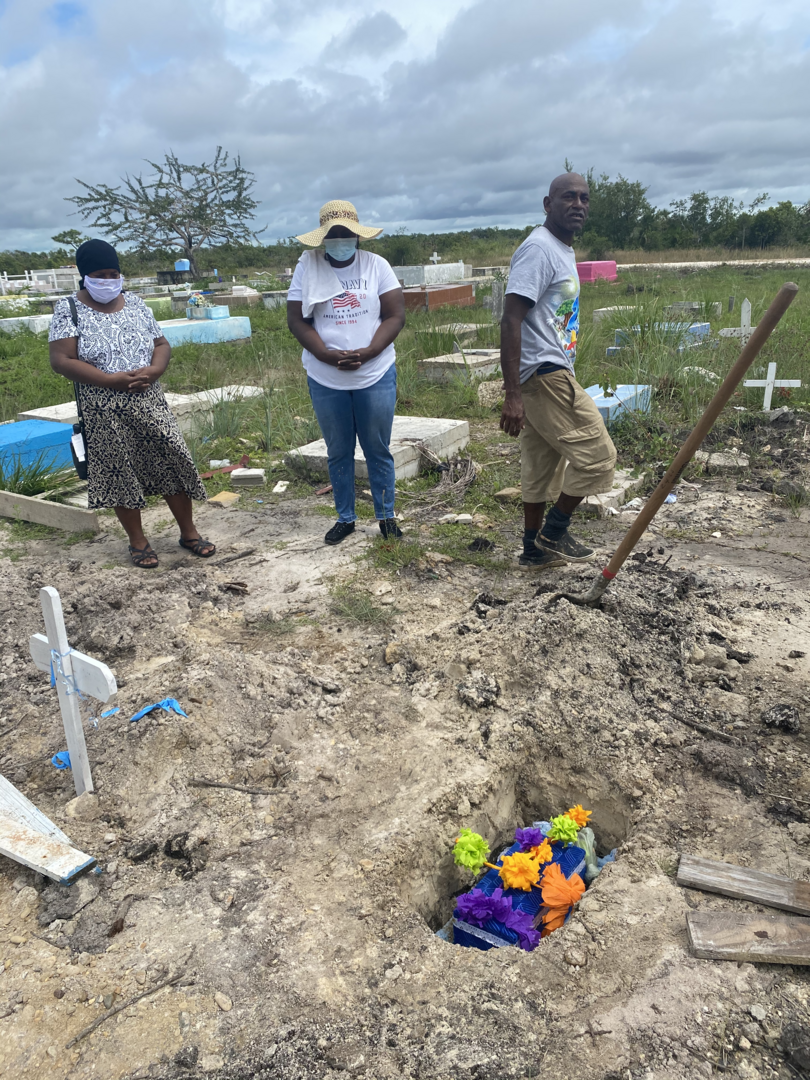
pixel 781 302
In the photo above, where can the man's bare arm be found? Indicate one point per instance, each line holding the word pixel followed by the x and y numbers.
pixel 515 310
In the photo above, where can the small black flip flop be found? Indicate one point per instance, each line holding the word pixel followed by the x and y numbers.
pixel 198 546
pixel 140 555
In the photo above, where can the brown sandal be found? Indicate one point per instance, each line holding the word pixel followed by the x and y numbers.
pixel 140 555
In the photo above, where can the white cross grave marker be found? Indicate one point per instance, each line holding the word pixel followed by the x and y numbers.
pixel 769 383
pixel 745 329
pixel 75 675
pixel 435 258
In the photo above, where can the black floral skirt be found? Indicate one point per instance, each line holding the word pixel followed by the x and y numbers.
pixel 134 449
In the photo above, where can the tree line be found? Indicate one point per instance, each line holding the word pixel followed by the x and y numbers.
pixel 205 212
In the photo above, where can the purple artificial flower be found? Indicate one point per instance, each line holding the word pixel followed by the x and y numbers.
pixel 521 923
pixel 477 908
pixel 529 838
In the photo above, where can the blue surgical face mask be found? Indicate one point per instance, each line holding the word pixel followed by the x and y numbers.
pixel 103 290
pixel 341 249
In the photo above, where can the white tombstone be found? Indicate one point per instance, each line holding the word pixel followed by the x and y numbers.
pixel 770 382
pixel 76 676
pixel 745 329
pixel 435 258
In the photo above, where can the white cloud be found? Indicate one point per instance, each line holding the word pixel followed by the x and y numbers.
pixel 451 114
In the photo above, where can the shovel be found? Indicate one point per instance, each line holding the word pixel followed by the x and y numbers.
pixel 781 302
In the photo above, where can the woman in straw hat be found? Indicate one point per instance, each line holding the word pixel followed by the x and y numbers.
pixel 346 308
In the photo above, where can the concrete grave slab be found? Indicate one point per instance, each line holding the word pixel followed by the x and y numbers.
pixel 443 437
pixel 35 324
pixel 469 365
pixel 27 440
pixel 205 331
pixel 186 407
pixel 624 399
pixel 606 312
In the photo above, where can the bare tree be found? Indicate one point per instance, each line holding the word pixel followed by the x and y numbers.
pixel 189 205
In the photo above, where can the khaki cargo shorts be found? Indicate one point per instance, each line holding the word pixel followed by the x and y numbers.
pixel 564 445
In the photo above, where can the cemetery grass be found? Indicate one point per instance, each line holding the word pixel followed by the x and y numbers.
pixel 312 907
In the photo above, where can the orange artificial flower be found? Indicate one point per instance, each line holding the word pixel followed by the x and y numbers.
pixel 559 891
pixel 580 816
pixel 519 871
pixel 542 853
pixel 559 896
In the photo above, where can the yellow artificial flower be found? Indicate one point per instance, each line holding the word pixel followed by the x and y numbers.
pixel 519 871
pixel 542 853
pixel 580 816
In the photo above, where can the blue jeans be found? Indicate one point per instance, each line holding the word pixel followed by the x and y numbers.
pixel 345 416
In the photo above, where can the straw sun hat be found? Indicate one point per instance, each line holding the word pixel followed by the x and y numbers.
pixel 338 212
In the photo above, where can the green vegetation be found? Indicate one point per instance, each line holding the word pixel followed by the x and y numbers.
pixel 356 605
pixel 37 477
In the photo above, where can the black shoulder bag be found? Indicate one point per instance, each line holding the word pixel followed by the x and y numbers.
pixel 80 458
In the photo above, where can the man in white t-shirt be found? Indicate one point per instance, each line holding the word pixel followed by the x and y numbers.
pixel 565 450
pixel 345 306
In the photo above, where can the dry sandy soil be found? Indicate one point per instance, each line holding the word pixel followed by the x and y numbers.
pixel 298 923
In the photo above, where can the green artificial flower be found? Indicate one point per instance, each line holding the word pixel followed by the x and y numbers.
pixel 471 850
pixel 563 828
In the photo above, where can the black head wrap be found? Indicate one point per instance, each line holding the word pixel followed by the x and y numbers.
pixel 95 255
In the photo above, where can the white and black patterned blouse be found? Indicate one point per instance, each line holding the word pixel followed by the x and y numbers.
pixel 111 341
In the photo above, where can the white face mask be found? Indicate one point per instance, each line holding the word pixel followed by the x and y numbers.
pixel 103 290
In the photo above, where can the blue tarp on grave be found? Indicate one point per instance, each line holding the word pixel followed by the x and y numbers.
pixel 625 398
pixel 26 440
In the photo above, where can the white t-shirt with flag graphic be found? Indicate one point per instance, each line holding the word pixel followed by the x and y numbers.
pixel 350 321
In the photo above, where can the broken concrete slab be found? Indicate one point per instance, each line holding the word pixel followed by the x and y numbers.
pixel 443 437
pixel 469 365
pixel 224 498
pixel 723 461
pixel 624 485
pixel 248 477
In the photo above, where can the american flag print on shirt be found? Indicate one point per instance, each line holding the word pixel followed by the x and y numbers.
pixel 346 299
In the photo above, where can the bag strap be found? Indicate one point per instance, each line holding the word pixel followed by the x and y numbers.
pixel 74 315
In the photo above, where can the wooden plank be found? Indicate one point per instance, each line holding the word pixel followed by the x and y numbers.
pixel 92 677
pixel 57 515
pixel 68 702
pixel 45 854
pixel 759 939
pixel 13 804
pixel 743 883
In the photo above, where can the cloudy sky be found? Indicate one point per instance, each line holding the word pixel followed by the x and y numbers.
pixel 430 114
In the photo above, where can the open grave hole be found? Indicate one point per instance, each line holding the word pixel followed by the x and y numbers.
pixel 535 791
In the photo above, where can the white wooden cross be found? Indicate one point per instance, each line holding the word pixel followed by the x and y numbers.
pixel 435 258
pixel 75 675
pixel 769 383
pixel 745 329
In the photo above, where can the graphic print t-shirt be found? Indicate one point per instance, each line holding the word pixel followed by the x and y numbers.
pixel 544 270
pixel 350 321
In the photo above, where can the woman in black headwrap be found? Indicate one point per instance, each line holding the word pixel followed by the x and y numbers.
pixel 108 343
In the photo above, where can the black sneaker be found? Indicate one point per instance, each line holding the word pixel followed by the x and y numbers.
pixel 535 559
pixel 339 531
pixel 566 547
pixel 390 529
